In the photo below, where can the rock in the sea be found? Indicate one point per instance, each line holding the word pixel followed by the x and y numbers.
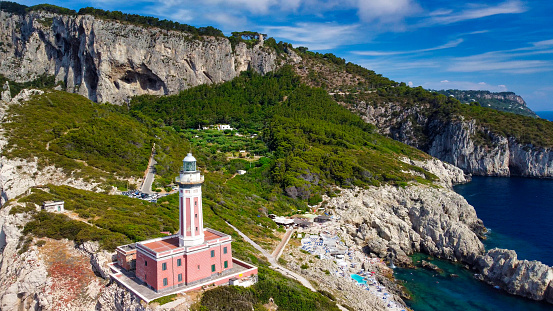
pixel 430 266
pixel 531 279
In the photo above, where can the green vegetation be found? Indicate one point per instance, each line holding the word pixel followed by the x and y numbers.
pixel 287 294
pixel 89 140
pixel 57 226
pixel 524 129
pixel 44 81
pixel 502 101
pixel 149 21
pixel 313 143
pixel 165 299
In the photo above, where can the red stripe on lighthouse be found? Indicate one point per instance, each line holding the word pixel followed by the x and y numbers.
pixel 187 217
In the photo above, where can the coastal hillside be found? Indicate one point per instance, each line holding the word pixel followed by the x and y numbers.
pixel 297 126
pixel 502 101
pixel 301 146
pixel 89 53
pixel 477 139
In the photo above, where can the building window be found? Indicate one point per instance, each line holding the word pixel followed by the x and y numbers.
pixel 226 264
pixel 212 268
pixel 180 277
pixel 198 267
pixel 165 282
pixel 196 215
pixel 179 262
pixel 224 250
pixel 195 203
pixel 145 263
pixel 212 254
pixel 164 266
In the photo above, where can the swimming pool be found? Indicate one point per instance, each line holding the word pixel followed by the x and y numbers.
pixel 358 278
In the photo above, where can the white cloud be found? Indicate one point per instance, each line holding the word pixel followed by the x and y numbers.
pixel 410 83
pixel 316 36
pixel 475 12
pixel 520 60
pixel 447 45
pixel 227 20
pixel 386 11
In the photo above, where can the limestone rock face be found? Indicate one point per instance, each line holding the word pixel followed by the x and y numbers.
pixel 116 298
pixel 23 277
pixel 473 148
pixel 99 259
pixel 107 61
pixel 397 222
pixel 5 95
pixel 531 279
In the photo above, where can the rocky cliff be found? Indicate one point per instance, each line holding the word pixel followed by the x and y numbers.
pixel 531 279
pixel 502 101
pixel 108 61
pixel 463 143
pixel 393 223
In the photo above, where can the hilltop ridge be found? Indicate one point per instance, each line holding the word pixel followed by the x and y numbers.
pixel 502 101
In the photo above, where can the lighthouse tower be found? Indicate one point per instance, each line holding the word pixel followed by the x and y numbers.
pixel 190 181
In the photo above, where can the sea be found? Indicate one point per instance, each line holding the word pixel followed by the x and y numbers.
pixel 548 115
pixel 519 215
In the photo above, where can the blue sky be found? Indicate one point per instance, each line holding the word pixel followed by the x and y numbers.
pixel 504 45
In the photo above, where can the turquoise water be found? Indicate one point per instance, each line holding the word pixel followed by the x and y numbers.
pixel 358 278
pixel 548 115
pixel 519 212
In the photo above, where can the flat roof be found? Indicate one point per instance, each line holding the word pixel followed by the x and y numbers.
pixel 160 246
pixel 163 245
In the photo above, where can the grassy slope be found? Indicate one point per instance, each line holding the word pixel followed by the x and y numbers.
pixel 88 140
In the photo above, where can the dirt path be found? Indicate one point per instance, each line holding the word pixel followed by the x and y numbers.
pixel 230 178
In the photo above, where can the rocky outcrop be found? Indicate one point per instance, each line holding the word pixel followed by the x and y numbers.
pixel 397 222
pixel 531 279
pixel 23 276
pixel 107 61
pixel 5 95
pixel 447 174
pixel 118 298
pixel 473 148
pixel 99 259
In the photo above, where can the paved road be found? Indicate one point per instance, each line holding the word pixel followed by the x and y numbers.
pixel 150 173
pixel 280 248
pixel 274 265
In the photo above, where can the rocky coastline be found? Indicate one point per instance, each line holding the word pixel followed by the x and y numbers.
pixel 393 223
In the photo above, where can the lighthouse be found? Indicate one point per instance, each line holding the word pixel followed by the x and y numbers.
pixel 190 259
pixel 190 181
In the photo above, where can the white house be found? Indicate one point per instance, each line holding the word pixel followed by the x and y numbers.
pixel 222 127
pixel 53 206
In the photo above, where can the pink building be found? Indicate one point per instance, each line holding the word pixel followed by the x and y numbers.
pixel 194 255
